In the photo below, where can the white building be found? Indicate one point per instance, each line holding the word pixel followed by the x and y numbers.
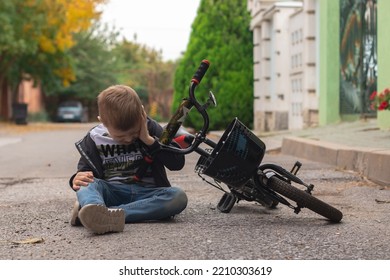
pixel 284 39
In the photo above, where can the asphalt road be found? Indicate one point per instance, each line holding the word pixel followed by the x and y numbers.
pixel 36 202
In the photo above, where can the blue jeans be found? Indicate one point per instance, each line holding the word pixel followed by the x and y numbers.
pixel 140 203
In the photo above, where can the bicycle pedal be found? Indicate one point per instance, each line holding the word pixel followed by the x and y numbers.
pixel 226 202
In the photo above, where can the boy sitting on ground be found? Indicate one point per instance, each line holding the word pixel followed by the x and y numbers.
pixel 109 187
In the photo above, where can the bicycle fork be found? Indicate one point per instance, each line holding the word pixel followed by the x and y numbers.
pixel 294 171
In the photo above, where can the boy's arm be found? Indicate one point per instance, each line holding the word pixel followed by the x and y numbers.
pixel 85 166
pixel 172 161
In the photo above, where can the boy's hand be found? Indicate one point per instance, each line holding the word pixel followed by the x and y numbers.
pixel 144 135
pixel 82 179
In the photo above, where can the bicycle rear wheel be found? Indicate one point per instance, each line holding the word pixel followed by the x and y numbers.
pixel 304 199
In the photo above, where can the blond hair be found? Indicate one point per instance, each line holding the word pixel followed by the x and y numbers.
pixel 120 107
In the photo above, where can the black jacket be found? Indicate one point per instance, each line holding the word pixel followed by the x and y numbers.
pixel 91 161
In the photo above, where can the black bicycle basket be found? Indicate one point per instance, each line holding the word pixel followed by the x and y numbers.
pixel 235 158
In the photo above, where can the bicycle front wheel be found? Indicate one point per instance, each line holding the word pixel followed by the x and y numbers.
pixel 304 199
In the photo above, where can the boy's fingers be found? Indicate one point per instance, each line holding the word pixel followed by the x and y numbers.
pixel 85 181
pixel 82 179
pixel 85 176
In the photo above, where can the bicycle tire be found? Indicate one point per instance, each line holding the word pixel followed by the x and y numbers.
pixel 304 199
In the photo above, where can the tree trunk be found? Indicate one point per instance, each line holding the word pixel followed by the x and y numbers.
pixel 4 99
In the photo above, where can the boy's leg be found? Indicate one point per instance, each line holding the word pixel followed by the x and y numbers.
pixel 151 203
pixel 100 219
pixel 94 215
pixel 94 193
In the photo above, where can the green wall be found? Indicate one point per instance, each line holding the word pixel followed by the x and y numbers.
pixel 329 64
pixel 383 80
pixel 383 44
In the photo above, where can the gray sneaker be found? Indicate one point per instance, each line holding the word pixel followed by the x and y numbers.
pixel 74 219
pixel 100 219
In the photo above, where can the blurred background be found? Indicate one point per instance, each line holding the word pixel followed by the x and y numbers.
pixel 277 65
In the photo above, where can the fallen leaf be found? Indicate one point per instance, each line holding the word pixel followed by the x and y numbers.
pixel 382 201
pixel 29 241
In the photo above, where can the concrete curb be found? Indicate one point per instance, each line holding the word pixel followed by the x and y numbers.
pixel 370 162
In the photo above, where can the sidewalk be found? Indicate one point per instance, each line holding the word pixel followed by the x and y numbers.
pixel 359 146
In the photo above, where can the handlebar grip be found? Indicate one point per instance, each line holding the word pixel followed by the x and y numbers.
pixel 204 65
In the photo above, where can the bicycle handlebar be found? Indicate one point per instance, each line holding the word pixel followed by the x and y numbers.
pixel 202 69
pixel 178 118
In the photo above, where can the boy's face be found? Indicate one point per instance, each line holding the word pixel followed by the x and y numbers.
pixel 124 137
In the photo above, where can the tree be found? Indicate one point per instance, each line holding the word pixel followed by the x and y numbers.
pixel 18 35
pixel 220 33
pixel 143 69
pixel 36 38
pixel 94 65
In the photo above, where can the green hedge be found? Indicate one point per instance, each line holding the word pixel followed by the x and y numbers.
pixel 220 34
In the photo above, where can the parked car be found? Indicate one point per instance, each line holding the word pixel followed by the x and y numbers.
pixel 72 111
